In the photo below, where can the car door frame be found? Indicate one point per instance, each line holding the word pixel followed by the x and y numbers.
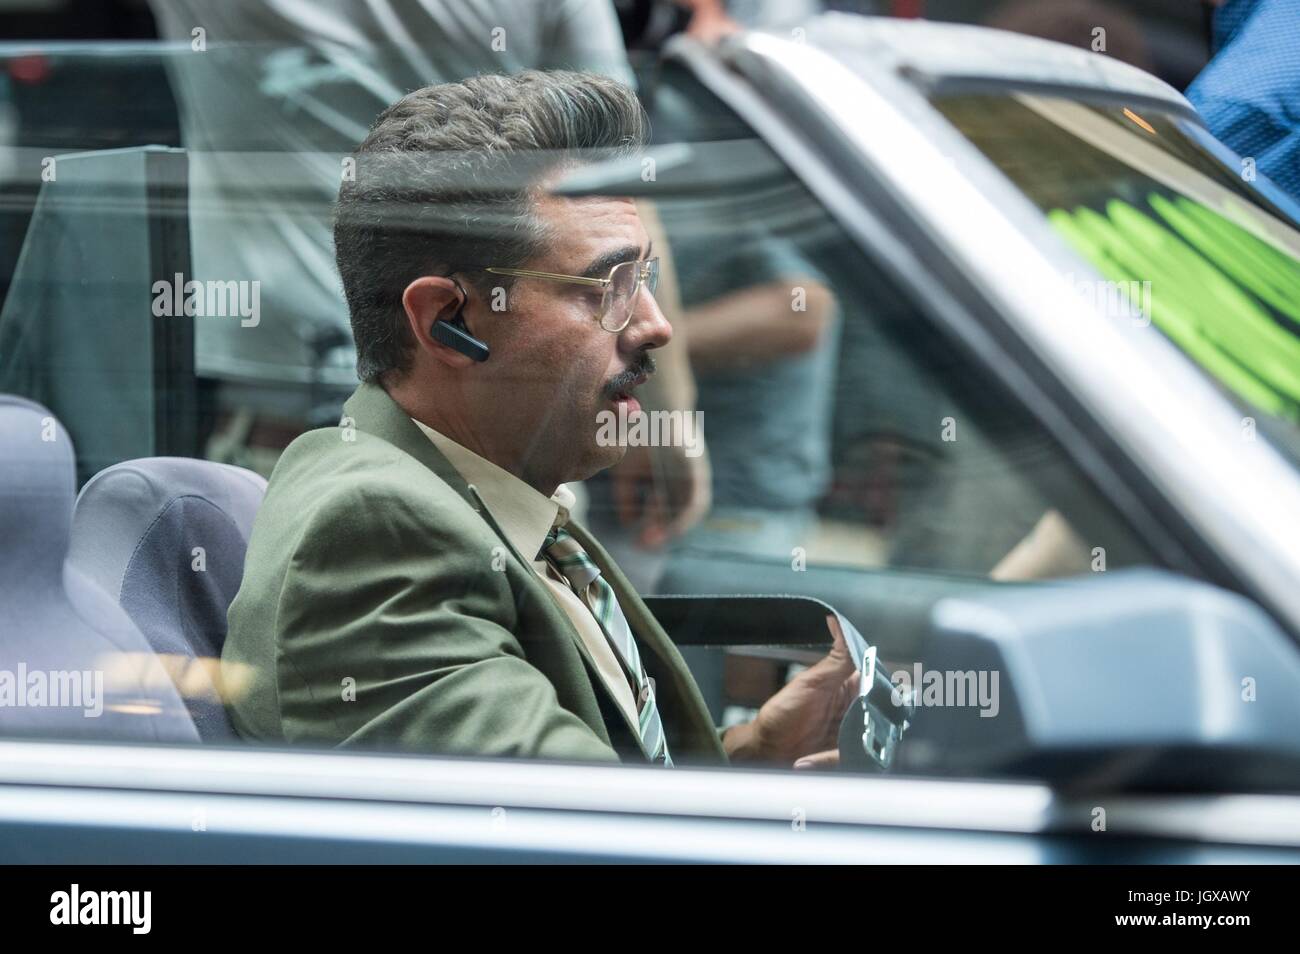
pixel 79 803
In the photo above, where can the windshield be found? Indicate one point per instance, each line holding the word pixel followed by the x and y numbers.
pixel 1208 255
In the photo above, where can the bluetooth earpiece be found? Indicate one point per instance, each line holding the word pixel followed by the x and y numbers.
pixel 453 333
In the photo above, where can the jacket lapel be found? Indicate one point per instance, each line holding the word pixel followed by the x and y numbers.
pixel 558 616
pixel 698 726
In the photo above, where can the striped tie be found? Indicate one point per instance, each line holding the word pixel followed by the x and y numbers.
pixel 571 561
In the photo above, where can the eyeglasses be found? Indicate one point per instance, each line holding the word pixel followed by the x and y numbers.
pixel 621 288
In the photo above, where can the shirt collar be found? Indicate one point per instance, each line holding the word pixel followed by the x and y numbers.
pixel 523 513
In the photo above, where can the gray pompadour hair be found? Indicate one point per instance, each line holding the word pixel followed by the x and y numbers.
pixel 445 182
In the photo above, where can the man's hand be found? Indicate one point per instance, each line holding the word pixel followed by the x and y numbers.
pixel 1051 549
pixel 663 490
pixel 801 722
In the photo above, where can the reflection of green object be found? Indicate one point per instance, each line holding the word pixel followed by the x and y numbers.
pixel 1255 264
pixel 1214 290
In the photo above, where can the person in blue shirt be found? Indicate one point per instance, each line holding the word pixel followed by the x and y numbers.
pixel 1249 94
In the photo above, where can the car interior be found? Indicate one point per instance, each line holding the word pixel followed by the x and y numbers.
pixel 875 467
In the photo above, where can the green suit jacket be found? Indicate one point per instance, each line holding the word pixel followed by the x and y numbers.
pixel 381 605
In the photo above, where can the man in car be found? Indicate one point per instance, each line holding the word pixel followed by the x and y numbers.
pixel 413 579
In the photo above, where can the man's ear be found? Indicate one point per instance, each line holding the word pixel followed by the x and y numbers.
pixel 428 299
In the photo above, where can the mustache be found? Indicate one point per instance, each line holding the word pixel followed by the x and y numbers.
pixel 643 366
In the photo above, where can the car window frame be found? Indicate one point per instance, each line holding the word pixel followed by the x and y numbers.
pixel 772 84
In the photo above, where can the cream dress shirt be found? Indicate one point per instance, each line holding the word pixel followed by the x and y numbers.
pixel 526 517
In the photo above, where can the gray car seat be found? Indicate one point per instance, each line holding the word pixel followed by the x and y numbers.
pixel 166 537
pixel 72 664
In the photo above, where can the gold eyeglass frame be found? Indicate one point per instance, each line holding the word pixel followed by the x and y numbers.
pixel 647 276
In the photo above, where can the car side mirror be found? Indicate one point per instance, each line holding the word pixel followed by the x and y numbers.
pixel 1135 679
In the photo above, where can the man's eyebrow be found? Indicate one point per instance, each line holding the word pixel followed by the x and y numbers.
pixel 601 266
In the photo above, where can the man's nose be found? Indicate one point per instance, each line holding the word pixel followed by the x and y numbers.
pixel 648 327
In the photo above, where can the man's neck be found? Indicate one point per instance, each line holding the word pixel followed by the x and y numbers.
pixel 456 425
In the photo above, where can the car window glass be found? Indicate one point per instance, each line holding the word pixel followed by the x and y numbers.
pixel 1210 261
pixel 858 453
